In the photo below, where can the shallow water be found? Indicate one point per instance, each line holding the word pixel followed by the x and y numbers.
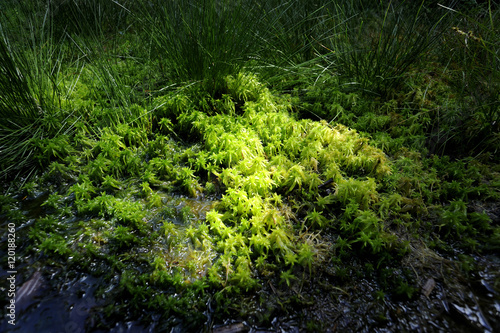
pixel 64 307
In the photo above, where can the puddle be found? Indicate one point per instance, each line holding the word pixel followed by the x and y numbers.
pixel 197 207
pixel 44 306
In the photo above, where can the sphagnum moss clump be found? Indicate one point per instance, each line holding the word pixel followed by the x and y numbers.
pixel 268 166
pixel 265 151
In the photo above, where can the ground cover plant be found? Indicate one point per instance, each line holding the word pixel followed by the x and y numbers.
pixel 191 165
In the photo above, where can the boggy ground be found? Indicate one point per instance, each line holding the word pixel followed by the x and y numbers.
pixel 333 168
pixel 283 224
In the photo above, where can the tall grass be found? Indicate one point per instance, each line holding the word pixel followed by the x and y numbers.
pixel 86 17
pixel 376 47
pixel 291 30
pixel 19 116
pixel 30 104
pixel 42 59
pixel 96 30
pixel 472 55
pixel 200 40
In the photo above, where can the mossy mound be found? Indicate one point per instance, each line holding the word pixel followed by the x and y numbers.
pixel 211 199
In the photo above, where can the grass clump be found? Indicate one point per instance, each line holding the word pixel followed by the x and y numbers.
pixel 393 41
pixel 200 40
pixel 29 106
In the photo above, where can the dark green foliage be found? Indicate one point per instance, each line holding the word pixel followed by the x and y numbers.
pixel 475 75
pixel 89 17
pixel 201 40
pixel 377 51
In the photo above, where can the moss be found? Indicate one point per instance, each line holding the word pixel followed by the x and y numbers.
pixel 292 195
pixel 221 198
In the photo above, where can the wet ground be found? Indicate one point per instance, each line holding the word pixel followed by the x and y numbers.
pixel 67 306
pixel 446 298
pixel 53 301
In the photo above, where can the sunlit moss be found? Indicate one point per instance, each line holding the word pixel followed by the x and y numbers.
pixel 281 183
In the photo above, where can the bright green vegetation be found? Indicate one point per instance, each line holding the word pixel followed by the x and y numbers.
pixel 200 151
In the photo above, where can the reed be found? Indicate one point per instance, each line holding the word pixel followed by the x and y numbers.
pixel 471 53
